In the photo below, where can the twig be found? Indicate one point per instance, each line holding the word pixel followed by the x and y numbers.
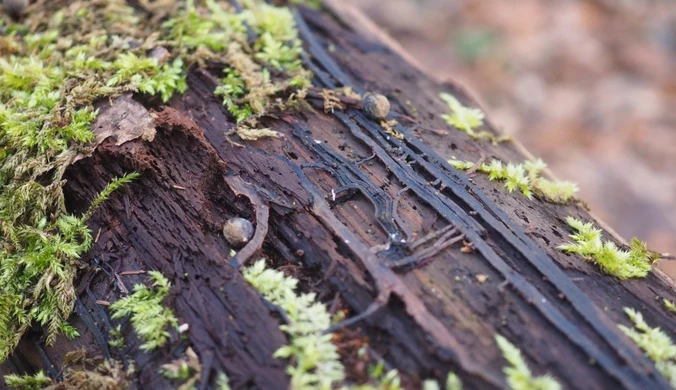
pixel 418 259
pixel 138 272
pixel 430 236
pixel 239 187
pixel 477 165
pixel 380 302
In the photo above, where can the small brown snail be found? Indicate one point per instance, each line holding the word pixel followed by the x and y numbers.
pixel 238 231
pixel 376 106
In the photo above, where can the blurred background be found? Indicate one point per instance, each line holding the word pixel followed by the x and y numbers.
pixel 589 86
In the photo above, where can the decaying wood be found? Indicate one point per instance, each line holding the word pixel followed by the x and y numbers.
pixel 343 203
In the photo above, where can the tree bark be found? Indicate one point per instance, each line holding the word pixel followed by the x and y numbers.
pixel 334 187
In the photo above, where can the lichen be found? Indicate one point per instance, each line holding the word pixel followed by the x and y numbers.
pixel 656 344
pixel 519 376
pixel 389 128
pixel 249 131
pixel 525 177
pixel 635 262
pixel 150 318
pixel 331 100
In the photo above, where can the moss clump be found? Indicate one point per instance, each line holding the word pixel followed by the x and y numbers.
pixel 519 376
pixel 525 177
pixel 316 364
pixel 53 67
pixel 467 120
pixel 314 357
pixel 188 370
pixel 656 344
pixel 79 374
pixel 669 305
pixel 38 264
pixel 61 60
pixel 149 317
pixel 452 383
pixel 260 76
pixel 633 263
pixel 28 382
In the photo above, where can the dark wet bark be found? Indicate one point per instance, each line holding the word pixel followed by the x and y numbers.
pixel 341 203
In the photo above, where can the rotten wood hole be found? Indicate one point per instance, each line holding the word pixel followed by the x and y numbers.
pixel 388 245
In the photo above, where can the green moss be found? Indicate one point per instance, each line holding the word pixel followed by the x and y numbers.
pixel 116 339
pixel 467 119
pixel 315 4
pixel 525 177
pixel 28 382
pixel 39 261
pixel 453 382
pixel 187 370
pixel 656 344
pixel 55 66
pixel 633 263
pixel 519 376
pixel 149 317
pixel 669 305
pixel 315 358
pixel 256 75
pixel 52 69
pixel 222 381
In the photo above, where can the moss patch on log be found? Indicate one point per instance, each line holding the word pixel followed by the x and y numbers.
pixel 60 62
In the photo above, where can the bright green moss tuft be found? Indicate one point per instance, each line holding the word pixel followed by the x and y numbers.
pixel 633 263
pixel 38 264
pixel 316 364
pixel 669 305
pixel 519 376
pixel 452 383
pixel 314 357
pixel 656 344
pixel 315 4
pixel 28 382
pixel 461 117
pixel 467 119
pixel 525 177
pixel 149 317
pixel 52 70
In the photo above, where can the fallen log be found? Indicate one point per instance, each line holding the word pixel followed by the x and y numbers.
pixel 428 263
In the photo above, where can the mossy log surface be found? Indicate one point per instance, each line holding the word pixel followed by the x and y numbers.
pixel 322 197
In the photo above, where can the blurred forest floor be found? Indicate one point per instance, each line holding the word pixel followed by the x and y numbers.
pixel 589 86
